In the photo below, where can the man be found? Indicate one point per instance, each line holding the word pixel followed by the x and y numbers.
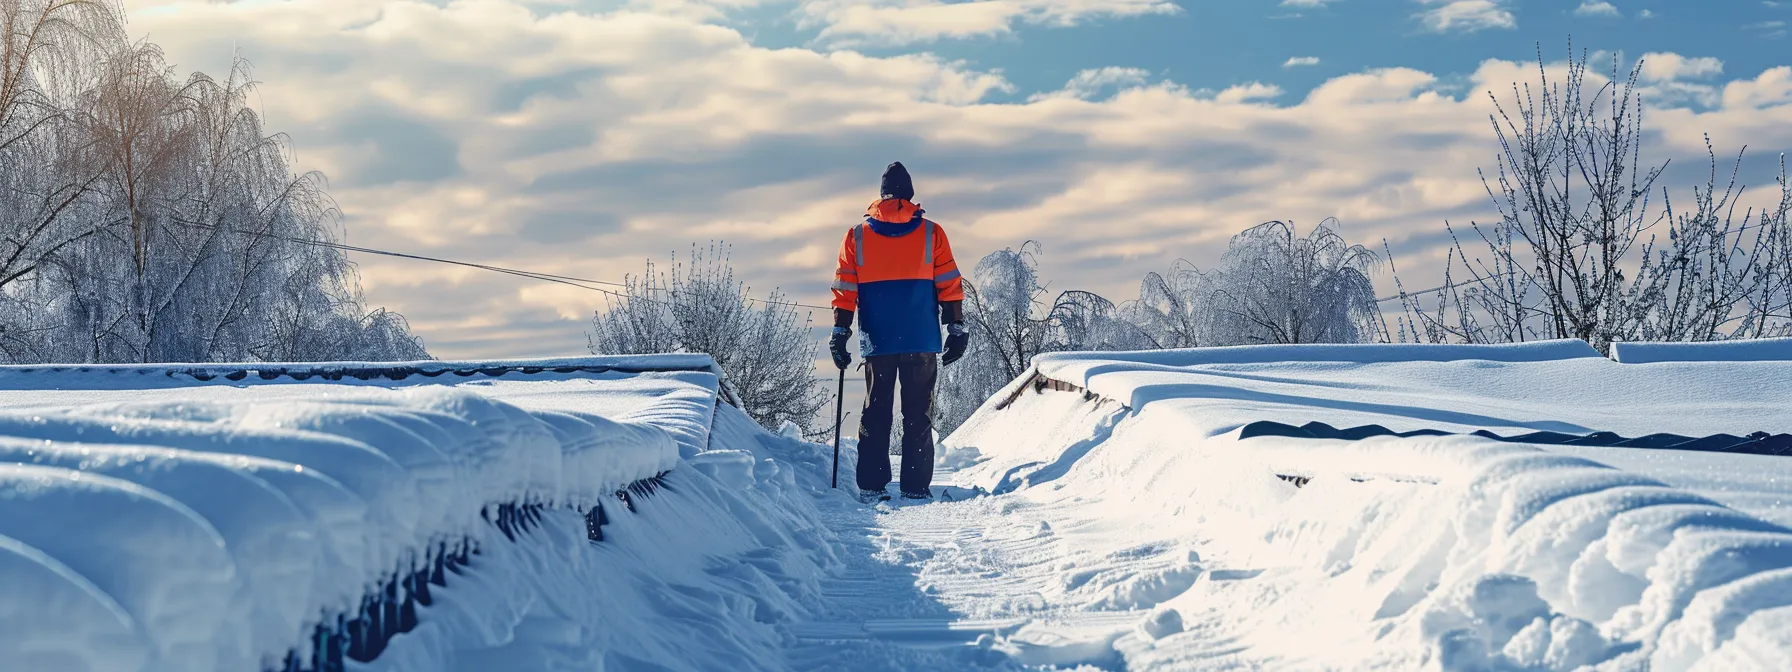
pixel 896 271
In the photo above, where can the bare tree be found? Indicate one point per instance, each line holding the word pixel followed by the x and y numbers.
pixel 1275 287
pixel 1002 300
pixel 1086 321
pixel 1010 323
pixel 49 51
pixel 1171 309
pixel 150 219
pixel 765 348
pixel 1576 253
pixel 1272 286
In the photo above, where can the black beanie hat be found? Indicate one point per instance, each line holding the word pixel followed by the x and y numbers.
pixel 897 183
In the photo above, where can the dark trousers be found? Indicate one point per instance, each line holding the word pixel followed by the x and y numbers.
pixel 917 373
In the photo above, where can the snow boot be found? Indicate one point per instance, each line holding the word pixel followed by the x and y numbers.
pixel 873 496
pixel 917 496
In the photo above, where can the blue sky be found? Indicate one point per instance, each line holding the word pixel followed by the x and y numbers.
pixel 1219 44
pixel 584 138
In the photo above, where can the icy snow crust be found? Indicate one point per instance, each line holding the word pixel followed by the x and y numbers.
pixel 1452 552
pixel 214 527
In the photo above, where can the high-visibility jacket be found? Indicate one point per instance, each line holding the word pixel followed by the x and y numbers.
pixel 895 269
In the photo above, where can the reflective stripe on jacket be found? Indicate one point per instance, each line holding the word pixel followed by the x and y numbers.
pixel 894 270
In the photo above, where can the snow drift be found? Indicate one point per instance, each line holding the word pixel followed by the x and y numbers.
pixel 295 524
pixel 1420 552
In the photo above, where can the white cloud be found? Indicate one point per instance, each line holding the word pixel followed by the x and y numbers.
pixel 1597 8
pixel 1661 67
pixel 1773 89
pixel 1466 16
pixel 1390 85
pixel 898 22
pixel 582 144
pixel 1645 14
pixel 1299 61
pixel 1307 4
pixel 1088 84
pixel 1771 30
pixel 1252 92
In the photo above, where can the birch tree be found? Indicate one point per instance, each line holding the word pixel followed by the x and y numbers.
pixel 148 218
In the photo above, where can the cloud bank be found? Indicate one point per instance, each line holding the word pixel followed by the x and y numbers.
pixel 583 143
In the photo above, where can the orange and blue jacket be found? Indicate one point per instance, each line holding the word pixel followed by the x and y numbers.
pixel 896 269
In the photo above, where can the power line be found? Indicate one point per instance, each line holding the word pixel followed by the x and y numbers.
pixel 572 281
pixel 581 283
pixel 1403 294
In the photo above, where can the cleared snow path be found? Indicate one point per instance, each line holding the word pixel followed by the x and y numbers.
pixel 991 582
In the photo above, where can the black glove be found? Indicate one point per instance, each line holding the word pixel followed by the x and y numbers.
pixel 837 346
pixel 956 340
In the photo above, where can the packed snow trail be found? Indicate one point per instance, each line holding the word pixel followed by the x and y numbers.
pixel 977 584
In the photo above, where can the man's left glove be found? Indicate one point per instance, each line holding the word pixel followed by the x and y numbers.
pixel 956 340
pixel 837 346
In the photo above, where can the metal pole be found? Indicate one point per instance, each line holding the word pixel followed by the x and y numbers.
pixel 839 407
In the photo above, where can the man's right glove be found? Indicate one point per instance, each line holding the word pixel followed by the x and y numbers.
pixel 837 346
pixel 956 340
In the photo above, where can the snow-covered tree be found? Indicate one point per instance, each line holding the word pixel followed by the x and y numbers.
pixel 1010 322
pixel 1172 310
pixel 1004 314
pixel 1273 286
pixel 149 219
pixel 1582 251
pixel 766 348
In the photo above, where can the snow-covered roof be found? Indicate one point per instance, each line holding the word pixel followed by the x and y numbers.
pixel 206 517
pixel 1439 548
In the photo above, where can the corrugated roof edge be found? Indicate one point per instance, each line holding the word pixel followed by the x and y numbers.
pixel 395 371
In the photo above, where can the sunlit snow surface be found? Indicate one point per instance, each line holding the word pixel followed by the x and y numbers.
pixel 164 524
pixel 1404 553
pixel 150 521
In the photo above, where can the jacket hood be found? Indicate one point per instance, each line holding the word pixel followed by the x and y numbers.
pixel 897 183
pixel 893 211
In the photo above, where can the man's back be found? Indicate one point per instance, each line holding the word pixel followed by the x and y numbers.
pixel 897 274
pixel 901 271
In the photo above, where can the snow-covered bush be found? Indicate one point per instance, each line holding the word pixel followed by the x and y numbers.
pixel 1272 286
pixel 1581 251
pixel 146 219
pixel 765 348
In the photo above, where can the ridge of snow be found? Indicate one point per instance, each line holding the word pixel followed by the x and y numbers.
pixel 1355 353
pixel 1438 552
pixel 224 530
pixel 1752 350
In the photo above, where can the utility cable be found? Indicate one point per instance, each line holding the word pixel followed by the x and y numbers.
pixel 581 283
